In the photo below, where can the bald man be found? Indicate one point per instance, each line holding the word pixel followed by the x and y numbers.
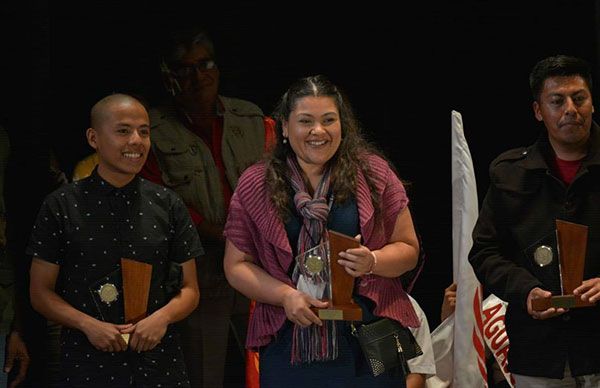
pixel 81 233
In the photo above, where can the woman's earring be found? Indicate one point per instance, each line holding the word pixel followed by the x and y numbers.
pixel 285 140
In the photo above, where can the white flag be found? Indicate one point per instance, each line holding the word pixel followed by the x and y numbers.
pixel 494 334
pixel 469 368
pixel 459 345
pixel 441 341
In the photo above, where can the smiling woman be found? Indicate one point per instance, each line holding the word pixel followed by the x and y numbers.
pixel 320 176
pixel 314 132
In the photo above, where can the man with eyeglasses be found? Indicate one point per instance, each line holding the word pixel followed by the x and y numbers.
pixel 201 143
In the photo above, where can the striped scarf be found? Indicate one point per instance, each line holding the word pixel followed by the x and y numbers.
pixel 314 210
pixel 313 343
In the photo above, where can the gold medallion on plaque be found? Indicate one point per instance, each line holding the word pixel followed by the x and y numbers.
pixel 543 255
pixel 314 264
pixel 108 293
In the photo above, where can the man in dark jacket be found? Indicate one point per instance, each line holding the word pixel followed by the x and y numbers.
pixel 514 251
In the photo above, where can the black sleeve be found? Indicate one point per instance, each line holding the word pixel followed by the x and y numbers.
pixel 496 272
pixel 47 235
pixel 185 242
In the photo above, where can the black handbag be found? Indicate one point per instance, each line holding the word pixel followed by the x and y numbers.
pixel 387 345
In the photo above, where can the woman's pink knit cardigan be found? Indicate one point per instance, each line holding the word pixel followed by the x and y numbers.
pixel 254 227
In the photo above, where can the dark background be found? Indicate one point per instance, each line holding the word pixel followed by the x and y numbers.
pixel 404 66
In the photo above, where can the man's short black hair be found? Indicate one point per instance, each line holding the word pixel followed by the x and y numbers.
pixel 558 66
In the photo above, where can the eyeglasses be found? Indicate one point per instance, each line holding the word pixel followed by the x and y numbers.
pixel 186 71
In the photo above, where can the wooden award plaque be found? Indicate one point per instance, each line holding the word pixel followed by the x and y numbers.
pixel 572 243
pixel 136 288
pixel 341 306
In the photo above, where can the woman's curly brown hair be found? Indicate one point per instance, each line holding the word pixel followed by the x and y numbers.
pixel 346 162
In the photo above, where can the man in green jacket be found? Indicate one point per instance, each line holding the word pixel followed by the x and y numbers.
pixel 201 143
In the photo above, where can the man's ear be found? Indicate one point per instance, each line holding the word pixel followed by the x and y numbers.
pixel 91 136
pixel 537 112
